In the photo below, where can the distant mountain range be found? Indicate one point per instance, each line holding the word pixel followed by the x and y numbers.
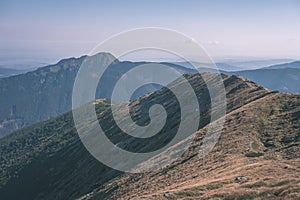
pixel 6 72
pixel 220 66
pixel 46 92
pixel 294 65
pixel 284 77
pixel 232 65
pixel 257 156
pixel 247 64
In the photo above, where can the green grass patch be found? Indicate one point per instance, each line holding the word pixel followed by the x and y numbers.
pixel 254 154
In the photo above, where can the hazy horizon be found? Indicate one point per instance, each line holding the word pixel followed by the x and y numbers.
pixel 49 31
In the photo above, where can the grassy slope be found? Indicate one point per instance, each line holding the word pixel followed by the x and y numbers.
pixel 48 161
pixel 261 141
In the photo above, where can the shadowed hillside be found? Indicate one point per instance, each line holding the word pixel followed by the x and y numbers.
pixel 39 95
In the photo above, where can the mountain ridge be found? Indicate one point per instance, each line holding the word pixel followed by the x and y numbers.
pixel 284 80
pixel 294 64
pixel 46 92
pixel 52 152
pixel 246 172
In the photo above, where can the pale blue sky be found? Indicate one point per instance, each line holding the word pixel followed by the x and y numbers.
pixel 58 29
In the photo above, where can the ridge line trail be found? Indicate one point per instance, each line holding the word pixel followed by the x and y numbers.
pixel 232 169
pixel 248 104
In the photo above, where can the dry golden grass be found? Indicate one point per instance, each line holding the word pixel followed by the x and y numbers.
pixel 271 169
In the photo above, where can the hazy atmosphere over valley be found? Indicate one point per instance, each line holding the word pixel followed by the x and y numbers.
pixel 149 100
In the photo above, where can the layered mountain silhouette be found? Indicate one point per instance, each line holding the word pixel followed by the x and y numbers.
pixel 294 65
pixel 281 77
pixel 221 66
pixel 257 155
pixel 277 79
pixel 46 92
pixel 6 72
